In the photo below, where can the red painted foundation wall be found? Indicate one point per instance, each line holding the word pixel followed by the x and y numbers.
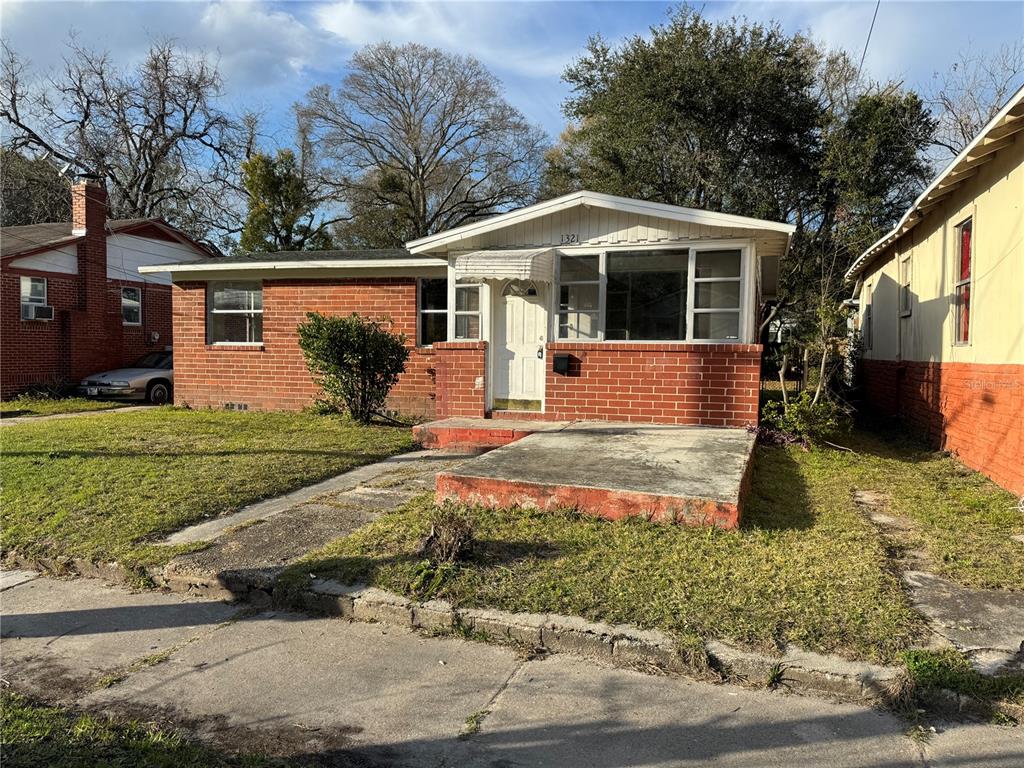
pixel 971 410
pixel 274 376
pixel 715 385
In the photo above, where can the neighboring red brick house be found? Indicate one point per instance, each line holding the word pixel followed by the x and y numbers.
pixel 941 306
pixel 584 307
pixel 71 299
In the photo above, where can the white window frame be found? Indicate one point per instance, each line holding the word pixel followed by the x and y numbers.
pixel 421 311
pixel 457 313
pixel 210 289
pixel 958 283
pixel 602 294
pixel 748 265
pixel 905 275
pixel 138 292
pixel 691 298
pixel 27 297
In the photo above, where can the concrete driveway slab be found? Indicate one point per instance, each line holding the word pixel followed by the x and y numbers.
pixel 565 711
pixel 10 579
pixel 60 636
pixel 298 685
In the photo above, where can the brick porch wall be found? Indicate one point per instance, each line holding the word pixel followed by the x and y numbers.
pixel 672 383
pixel 461 378
pixel 274 376
pixel 975 411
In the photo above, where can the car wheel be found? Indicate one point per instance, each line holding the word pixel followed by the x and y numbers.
pixel 158 393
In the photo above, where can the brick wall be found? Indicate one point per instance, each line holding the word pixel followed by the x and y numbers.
pixel 672 383
pixel 461 378
pixel 274 376
pixel 974 411
pixel 77 341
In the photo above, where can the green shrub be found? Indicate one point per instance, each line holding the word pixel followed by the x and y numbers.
pixel 355 360
pixel 804 420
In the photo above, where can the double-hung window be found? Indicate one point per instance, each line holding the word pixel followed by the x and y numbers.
pixel 962 289
pixel 131 306
pixel 467 311
pixel 905 295
pixel 33 290
pixel 433 310
pixel 234 312
pixel 579 297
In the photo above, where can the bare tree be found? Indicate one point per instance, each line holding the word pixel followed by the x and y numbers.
pixel 154 133
pixel 425 135
pixel 966 97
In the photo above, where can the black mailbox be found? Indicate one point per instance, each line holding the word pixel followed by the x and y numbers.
pixel 561 364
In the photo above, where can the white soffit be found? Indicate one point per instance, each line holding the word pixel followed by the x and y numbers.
pixel 522 264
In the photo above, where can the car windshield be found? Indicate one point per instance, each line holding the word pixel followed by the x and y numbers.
pixel 154 360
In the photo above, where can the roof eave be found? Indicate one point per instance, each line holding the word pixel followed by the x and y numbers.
pixel 277 265
pixel 555 205
pixel 861 262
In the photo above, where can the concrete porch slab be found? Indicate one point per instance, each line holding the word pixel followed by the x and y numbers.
pixel 689 475
pixel 480 433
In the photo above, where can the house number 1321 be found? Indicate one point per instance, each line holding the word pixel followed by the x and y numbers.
pixel 572 239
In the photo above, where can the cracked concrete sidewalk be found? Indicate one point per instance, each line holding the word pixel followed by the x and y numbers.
pixel 350 693
pixel 251 547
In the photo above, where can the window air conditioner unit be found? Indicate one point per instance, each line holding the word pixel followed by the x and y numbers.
pixel 36 312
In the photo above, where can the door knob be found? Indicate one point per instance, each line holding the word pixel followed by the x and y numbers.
pixel 540 353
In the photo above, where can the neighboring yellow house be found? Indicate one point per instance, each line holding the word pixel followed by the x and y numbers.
pixel 941 306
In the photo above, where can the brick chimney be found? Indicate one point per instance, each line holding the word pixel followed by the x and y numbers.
pixel 88 205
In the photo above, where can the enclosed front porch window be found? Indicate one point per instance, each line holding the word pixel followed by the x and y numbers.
pixel 652 295
pixel 467 311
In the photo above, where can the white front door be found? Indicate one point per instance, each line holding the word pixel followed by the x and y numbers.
pixel 521 326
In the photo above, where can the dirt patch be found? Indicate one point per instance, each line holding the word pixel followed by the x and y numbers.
pixel 899 533
pixel 300 744
pixel 38 677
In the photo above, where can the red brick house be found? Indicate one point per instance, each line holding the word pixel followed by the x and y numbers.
pixel 587 306
pixel 72 301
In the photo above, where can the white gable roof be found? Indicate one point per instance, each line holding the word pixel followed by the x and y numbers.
pixel 597 200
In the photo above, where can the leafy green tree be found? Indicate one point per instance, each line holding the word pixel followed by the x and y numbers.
pixel 355 360
pixel 742 118
pixel 284 207
pixel 34 190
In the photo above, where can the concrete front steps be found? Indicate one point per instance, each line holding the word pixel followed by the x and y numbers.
pixel 666 473
pixel 505 427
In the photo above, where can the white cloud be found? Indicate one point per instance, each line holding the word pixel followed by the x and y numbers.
pixel 510 37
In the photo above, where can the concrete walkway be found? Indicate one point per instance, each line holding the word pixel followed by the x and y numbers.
pixel 368 695
pixel 11 421
pixel 251 547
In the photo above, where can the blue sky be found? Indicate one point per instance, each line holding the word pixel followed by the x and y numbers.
pixel 271 53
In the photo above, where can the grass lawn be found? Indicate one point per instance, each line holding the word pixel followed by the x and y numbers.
pixel 30 405
pixel 806 567
pixel 103 487
pixel 34 735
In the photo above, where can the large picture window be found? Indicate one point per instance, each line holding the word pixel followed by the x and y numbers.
pixel 646 295
pixel 433 311
pixel 652 295
pixel 234 312
pixel 962 290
